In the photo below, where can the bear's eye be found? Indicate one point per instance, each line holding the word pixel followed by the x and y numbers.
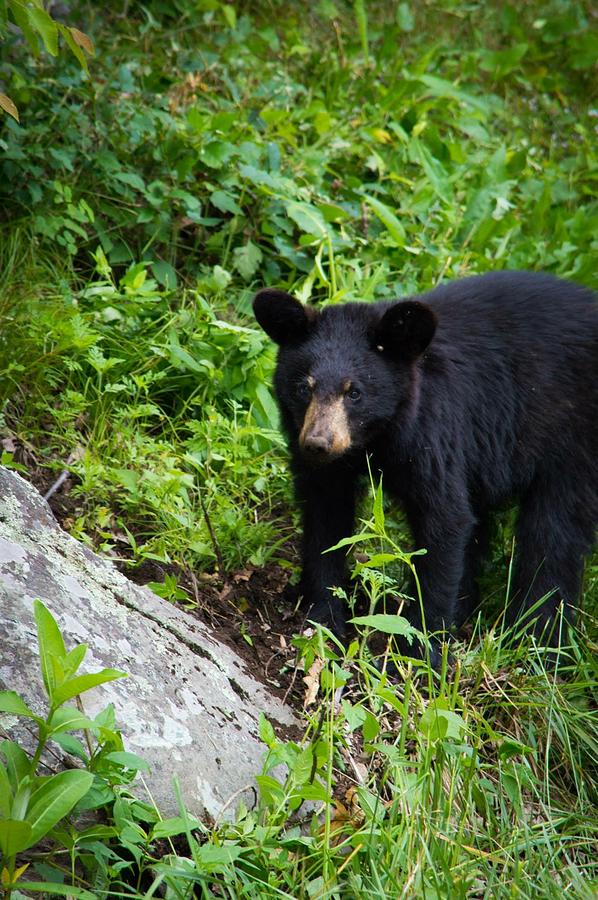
pixel 303 390
pixel 354 394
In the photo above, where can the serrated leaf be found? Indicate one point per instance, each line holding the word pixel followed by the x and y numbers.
pixel 21 17
pixel 8 106
pixel 247 260
pixel 45 25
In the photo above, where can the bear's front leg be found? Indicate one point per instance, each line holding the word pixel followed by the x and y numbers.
pixel 327 499
pixel 445 532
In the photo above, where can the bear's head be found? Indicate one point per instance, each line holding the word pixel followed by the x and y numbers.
pixel 345 373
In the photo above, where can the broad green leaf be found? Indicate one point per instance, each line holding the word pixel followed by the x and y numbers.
pixel 67 718
pixel 15 836
pixel 435 172
pixel 314 791
pixel 18 764
pixel 439 87
pixel 128 760
pixel 132 179
pixel 388 624
pixel 171 827
pixel 82 683
pixel 129 480
pixel 165 274
pixel 261 178
pixel 50 643
pixel 216 153
pixel 353 539
pixel 5 793
pixel 225 202
pixel 210 858
pixel 371 727
pixel 270 789
pixel 74 658
pixel 377 560
pixel 21 17
pixel 54 799
pixel 183 359
pixel 11 702
pixel 388 218
pixel 501 62
pixel 437 722
pixel 46 27
pixel 266 732
pixel 54 889
pixel 230 14
pixel 308 218
pixel 268 404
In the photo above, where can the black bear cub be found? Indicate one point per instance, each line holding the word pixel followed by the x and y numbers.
pixel 479 392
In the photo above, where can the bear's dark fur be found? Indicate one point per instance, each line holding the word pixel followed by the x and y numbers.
pixel 480 392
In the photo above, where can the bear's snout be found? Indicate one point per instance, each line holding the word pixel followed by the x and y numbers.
pixel 325 433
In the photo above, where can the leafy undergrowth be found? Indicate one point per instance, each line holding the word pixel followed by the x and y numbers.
pixel 345 151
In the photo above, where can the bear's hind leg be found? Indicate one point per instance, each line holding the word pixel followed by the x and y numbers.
pixel 554 533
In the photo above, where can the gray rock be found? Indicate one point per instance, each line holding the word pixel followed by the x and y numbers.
pixel 189 706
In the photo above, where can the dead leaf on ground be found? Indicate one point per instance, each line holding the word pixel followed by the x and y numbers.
pixel 312 681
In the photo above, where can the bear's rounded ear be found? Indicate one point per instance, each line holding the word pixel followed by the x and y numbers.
pixel 406 329
pixel 283 318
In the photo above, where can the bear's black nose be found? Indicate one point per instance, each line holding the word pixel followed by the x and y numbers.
pixel 318 444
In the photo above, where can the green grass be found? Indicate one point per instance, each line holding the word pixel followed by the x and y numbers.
pixel 345 151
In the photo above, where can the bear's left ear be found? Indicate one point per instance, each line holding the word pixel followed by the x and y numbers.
pixel 282 317
pixel 406 329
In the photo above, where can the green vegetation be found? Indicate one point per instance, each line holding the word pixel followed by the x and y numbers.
pixel 346 151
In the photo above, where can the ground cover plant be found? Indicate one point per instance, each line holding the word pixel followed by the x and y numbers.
pixel 343 151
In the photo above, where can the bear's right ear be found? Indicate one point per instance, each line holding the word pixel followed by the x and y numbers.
pixel 406 329
pixel 282 317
